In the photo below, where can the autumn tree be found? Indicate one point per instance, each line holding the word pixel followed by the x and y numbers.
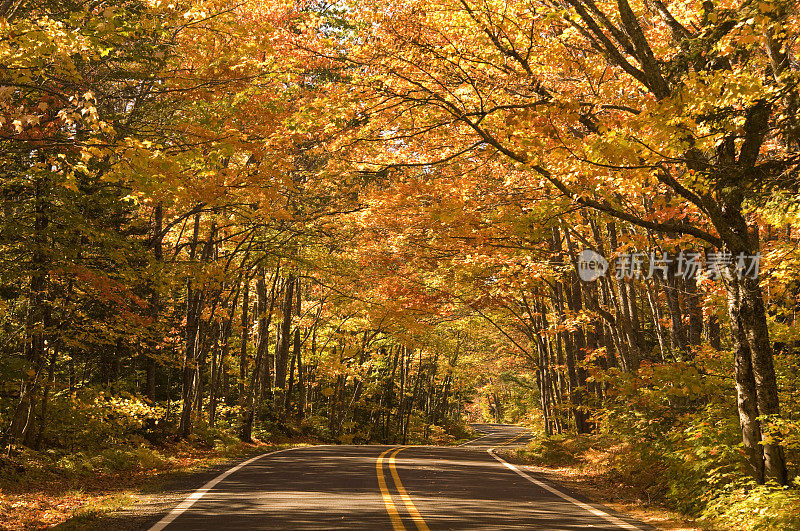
pixel 77 80
pixel 677 119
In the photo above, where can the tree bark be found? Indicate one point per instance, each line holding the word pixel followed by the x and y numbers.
pixel 245 338
pixel 35 320
pixel 260 373
pixel 155 301
pixel 745 387
pixel 754 323
pixel 282 356
pixel 190 343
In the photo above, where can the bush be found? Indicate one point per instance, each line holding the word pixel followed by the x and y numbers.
pixel 438 435
pixel 558 450
pixel 113 460
pixel 208 437
pixel 680 428
pixel 744 505
pixel 93 420
pixel 671 432
pixel 315 426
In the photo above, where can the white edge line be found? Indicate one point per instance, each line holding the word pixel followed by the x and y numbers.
pixel 597 512
pixel 199 493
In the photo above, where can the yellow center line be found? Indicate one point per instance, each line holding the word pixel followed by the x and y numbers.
pixel 514 438
pixel 397 523
pixel 412 510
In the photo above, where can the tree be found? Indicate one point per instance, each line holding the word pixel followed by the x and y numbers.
pixel 655 114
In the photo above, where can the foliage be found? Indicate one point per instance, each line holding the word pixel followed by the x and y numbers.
pixel 361 224
pixel 744 505
pixel 670 433
pixel 95 420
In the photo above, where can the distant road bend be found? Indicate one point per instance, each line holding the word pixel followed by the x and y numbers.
pixel 389 487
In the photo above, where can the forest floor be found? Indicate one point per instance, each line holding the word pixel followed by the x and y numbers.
pixel 36 494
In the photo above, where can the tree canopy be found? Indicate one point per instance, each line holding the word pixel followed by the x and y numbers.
pixel 365 223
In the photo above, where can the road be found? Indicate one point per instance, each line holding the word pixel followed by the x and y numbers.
pixel 389 487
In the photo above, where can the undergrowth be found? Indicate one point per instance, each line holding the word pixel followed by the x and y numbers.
pixel 671 434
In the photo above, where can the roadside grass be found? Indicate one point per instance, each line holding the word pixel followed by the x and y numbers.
pixel 93 512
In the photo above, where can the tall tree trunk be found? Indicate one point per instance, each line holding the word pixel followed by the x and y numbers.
pixel 713 331
pixel 260 372
pixel 752 348
pixel 301 385
pixel 579 345
pixel 693 309
pixel 45 398
pixel 401 399
pixel 632 349
pixel 655 311
pixel 224 348
pixel 390 395
pixel 205 338
pixel 745 387
pixel 754 322
pixel 295 349
pixel 158 253
pixel 245 338
pixel 451 365
pixel 287 406
pixel 35 320
pixel 282 356
pixel 677 330
pixel 410 409
pixel 190 343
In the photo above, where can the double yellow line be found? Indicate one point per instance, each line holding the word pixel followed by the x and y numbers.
pixel 514 438
pixel 394 515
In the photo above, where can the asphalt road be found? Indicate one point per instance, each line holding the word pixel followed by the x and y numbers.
pixel 389 487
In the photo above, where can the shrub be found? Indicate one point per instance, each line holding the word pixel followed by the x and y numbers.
pixel 744 505
pixel 93 420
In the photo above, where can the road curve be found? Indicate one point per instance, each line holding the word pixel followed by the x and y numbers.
pixel 389 487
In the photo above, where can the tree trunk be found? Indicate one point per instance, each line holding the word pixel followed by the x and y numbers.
pixel 295 349
pixel 45 399
pixel 287 406
pixel 576 357
pixel 679 343
pixel 754 322
pixel 713 332
pixel 35 321
pixel 260 372
pixel 158 253
pixel 245 338
pixel 282 356
pixel 301 386
pixel 695 312
pixel 745 387
pixel 190 343
pixel 224 348
pixel 655 310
